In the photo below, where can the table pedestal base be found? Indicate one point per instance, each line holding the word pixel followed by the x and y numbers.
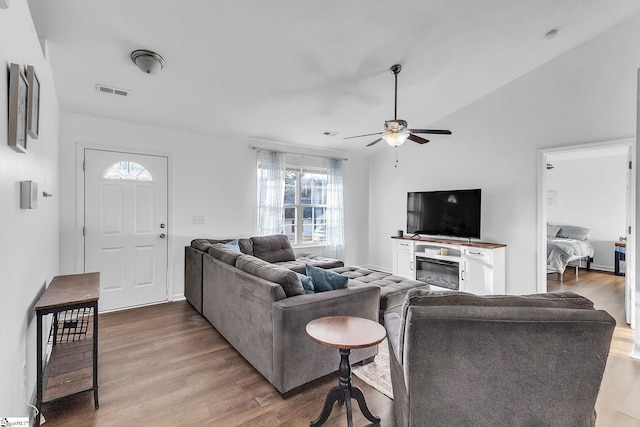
pixel 343 393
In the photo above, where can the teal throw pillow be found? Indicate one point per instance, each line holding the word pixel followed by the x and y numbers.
pixel 325 280
pixel 307 283
pixel 234 246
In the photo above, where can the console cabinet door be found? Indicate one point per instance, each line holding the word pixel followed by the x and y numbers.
pixel 403 263
pixel 476 277
pixel 477 271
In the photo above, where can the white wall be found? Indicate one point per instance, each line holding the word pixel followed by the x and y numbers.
pixel 28 238
pixel 591 193
pixel 211 176
pixel 585 95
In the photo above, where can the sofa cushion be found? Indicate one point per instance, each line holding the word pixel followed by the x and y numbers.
pixel 246 246
pixel 422 297
pixel 393 289
pixel 224 253
pixel 204 244
pixel 325 280
pixel 275 248
pixel 273 273
pixel 547 300
pixel 307 283
pixel 298 265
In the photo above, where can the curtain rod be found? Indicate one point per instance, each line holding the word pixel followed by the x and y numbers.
pixel 254 148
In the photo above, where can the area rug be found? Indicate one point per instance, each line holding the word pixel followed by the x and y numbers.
pixel 377 373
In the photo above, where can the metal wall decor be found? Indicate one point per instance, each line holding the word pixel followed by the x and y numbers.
pixel 33 113
pixel 18 88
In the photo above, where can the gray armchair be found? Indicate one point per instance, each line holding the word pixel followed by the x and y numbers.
pixel 459 359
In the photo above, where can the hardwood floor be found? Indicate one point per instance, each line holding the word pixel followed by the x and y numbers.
pixel 165 365
pixel 620 390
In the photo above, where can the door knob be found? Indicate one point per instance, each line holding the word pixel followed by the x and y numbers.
pixel 162 236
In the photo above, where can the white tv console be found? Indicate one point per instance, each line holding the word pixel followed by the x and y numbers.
pixel 480 266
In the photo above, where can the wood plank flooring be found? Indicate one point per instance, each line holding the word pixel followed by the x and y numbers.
pixel 165 365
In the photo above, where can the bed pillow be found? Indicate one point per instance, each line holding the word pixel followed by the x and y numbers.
pixel 573 232
pixel 552 230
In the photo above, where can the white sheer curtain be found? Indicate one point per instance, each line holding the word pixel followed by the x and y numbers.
pixel 271 175
pixel 335 210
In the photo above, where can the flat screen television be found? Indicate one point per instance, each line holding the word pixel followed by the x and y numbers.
pixel 444 213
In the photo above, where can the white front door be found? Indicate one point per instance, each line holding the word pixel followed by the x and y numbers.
pixel 126 226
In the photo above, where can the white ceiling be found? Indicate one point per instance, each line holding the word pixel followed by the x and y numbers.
pixel 286 71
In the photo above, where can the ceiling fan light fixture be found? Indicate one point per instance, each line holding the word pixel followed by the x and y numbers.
pixel 396 139
pixel 149 62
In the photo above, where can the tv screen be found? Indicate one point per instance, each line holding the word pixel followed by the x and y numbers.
pixel 444 213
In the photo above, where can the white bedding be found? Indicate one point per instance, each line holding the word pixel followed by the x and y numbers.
pixel 561 252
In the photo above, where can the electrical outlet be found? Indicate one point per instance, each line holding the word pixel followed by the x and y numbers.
pixel 199 219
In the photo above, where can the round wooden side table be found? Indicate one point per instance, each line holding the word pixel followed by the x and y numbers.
pixel 345 333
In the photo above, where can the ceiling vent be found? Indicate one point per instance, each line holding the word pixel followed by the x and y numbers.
pixel 112 90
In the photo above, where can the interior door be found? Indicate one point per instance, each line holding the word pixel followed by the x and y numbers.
pixel 126 226
pixel 630 293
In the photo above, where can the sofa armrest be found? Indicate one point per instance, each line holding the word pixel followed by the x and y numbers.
pixel 392 323
pixel 297 358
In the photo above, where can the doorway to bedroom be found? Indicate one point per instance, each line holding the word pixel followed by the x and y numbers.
pixel 586 205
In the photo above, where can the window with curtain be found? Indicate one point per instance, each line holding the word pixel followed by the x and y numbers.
pixel 305 205
pixel 302 198
pixel 271 184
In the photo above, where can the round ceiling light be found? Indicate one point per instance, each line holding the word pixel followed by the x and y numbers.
pixel 149 62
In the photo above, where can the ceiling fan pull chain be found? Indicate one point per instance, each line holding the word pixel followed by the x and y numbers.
pixel 396 150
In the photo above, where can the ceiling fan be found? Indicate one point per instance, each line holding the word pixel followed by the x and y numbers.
pixel 395 131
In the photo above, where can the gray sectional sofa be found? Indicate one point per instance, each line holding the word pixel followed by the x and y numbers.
pixel 255 300
pixel 194 253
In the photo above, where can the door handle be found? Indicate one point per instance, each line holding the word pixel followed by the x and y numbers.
pixel 162 236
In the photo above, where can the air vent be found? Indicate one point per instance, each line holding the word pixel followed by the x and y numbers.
pixel 329 133
pixel 112 90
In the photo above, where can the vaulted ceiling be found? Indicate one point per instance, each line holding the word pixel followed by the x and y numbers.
pixel 286 71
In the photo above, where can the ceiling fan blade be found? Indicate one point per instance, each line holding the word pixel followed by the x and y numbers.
pixel 374 142
pixel 416 138
pixel 433 131
pixel 359 136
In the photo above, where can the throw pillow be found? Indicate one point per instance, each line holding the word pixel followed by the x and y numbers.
pixel 234 246
pixel 325 280
pixel 307 283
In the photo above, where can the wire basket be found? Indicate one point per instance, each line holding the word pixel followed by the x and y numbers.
pixel 71 325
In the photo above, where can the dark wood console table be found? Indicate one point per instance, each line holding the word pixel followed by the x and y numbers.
pixel 73 365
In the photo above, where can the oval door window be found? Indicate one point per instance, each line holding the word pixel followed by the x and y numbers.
pixel 130 171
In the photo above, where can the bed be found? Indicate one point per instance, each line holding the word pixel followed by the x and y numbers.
pixel 568 245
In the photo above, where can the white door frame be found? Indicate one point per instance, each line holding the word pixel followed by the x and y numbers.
pixel 79 219
pixel 543 154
